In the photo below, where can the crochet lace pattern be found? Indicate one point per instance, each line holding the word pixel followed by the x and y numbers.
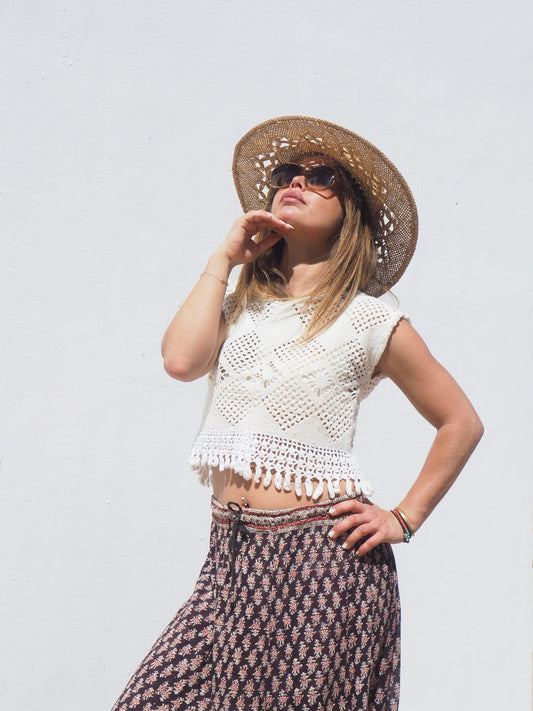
pixel 284 410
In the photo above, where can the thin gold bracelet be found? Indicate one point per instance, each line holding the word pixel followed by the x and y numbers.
pixel 215 277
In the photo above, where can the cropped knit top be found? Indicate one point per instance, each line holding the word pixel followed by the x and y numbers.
pixel 284 410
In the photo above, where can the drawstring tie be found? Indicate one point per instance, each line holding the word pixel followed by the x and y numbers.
pixel 238 525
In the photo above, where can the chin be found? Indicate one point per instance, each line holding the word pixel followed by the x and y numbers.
pixel 286 212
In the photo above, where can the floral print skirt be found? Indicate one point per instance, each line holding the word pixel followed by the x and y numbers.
pixel 282 618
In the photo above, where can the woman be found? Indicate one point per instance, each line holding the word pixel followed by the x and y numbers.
pixel 297 606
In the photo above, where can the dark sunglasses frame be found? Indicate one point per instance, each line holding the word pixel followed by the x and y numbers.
pixel 309 175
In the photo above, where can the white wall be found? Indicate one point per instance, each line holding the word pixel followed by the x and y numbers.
pixel 118 126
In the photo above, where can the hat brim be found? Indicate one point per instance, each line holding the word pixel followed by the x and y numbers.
pixel 392 207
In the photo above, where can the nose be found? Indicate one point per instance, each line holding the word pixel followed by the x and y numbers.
pixel 298 182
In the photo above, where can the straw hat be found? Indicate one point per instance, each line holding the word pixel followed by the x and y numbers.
pixel 392 207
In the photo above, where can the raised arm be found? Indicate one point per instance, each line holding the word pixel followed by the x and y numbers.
pixel 438 398
pixel 195 335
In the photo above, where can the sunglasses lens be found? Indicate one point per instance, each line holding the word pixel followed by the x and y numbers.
pixel 321 177
pixel 284 175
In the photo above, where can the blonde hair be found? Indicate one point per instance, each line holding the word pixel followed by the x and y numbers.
pixel 350 265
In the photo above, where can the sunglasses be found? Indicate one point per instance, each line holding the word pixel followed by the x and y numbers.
pixel 321 177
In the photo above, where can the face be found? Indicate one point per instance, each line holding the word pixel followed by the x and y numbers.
pixel 315 213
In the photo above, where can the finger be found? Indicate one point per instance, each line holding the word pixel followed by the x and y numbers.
pixel 277 221
pixel 257 220
pixel 346 524
pixel 348 506
pixel 368 545
pixel 267 242
pixel 365 529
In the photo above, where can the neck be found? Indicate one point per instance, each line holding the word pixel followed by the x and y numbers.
pixel 303 267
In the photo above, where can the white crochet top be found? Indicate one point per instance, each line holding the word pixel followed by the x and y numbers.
pixel 282 410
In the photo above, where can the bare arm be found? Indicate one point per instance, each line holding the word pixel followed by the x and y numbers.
pixel 195 335
pixel 436 395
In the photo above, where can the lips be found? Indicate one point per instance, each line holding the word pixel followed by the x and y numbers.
pixel 292 196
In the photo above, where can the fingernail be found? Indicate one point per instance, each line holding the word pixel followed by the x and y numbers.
pixel 332 510
pixel 331 534
pixel 345 546
pixel 289 226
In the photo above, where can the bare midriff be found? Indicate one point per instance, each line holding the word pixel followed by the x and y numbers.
pixel 229 486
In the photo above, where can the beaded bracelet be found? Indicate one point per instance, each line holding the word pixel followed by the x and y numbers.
pixel 402 520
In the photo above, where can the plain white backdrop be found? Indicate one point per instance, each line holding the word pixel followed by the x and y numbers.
pixel 118 126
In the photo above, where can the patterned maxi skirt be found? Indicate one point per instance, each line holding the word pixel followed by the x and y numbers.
pixel 282 618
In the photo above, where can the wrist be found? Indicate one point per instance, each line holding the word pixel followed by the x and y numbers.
pixel 415 512
pixel 405 525
pixel 220 265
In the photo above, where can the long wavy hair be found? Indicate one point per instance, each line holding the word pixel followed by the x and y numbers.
pixel 350 265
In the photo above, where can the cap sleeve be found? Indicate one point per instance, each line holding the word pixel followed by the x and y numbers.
pixel 374 322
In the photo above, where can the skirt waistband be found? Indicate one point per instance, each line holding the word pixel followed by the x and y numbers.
pixel 265 520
